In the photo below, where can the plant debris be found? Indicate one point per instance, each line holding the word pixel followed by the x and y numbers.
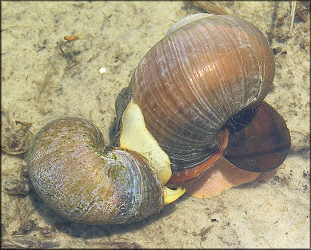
pixel 15 137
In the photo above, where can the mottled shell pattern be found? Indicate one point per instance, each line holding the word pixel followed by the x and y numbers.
pixel 196 78
pixel 75 177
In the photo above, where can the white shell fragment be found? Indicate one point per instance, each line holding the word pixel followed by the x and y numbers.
pixel 102 70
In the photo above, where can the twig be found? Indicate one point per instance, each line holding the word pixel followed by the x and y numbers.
pixel 293 12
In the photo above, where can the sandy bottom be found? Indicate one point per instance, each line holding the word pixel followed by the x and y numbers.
pixel 40 84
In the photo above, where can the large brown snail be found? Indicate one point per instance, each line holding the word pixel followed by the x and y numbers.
pixel 196 101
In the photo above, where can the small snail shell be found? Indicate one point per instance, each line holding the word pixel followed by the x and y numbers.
pixel 75 177
pixel 201 74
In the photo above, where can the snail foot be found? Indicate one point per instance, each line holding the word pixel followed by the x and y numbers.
pixel 221 177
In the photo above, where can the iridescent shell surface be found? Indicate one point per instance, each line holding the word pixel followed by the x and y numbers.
pixel 75 177
pixel 198 77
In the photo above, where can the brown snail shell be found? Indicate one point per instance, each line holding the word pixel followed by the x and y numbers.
pixel 199 76
pixel 74 176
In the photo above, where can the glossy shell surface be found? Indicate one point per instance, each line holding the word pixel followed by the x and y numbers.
pixel 196 78
pixel 75 177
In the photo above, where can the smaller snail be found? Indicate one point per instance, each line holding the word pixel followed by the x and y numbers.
pixel 75 177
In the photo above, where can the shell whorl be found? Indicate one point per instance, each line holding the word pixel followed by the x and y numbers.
pixel 196 78
pixel 75 177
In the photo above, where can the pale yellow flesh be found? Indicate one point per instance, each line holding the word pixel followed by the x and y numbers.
pixel 135 136
pixel 171 195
